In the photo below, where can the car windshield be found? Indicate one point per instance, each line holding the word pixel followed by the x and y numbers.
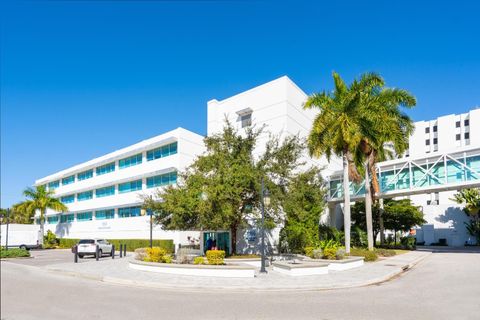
pixel 86 241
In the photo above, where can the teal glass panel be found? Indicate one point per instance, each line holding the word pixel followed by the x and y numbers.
pixel 163 151
pixel 129 212
pixel 386 181
pixel 85 175
pixel 54 185
pixel 130 186
pixel 52 219
pixel 105 214
pixel 68 180
pixel 455 171
pixel 84 216
pixel 438 171
pixel 473 163
pixel 105 192
pixel 64 218
pixel 109 167
pixel 419 177
pixel 403 179
pixel 68 199
pixel 87 195
pixel 130 161
pixel 162 180
pixel 336 189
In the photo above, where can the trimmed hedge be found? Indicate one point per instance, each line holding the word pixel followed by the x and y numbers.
pixel 132 244
pixel 14 253
pixel 215 257
pixel 368 255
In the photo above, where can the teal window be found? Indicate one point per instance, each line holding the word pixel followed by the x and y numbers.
pixel 68 199
pixel 130 186
pixel 67 218
pixel 85 175
pixel 52 219
pixel 109 167
pixel 162 151
pixel 129 212
pixel 84 216
pixel 162 180
pixel 54 185
pixel 105 214
pixel 105 192
pixel 68 180
pixel 87 195
pixel 130 161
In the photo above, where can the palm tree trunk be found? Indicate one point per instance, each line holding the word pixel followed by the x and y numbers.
pixel 42 222
pixel 380 220
pixel 346 203
pixel 368 208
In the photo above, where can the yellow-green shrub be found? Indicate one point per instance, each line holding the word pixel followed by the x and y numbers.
pixel 330 253
pixel 157 254
pixel 199 260
pixel 215 257
pixel 309 251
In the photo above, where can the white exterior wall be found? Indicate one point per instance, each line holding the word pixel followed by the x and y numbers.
pixel 189 146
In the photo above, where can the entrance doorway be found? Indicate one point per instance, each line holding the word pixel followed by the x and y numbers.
pixel 218 239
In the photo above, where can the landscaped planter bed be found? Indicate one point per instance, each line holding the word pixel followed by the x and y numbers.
pixel 301 268
pixel 339 265
pixel 225 271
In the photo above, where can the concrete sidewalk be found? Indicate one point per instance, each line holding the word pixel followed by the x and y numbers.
pixel 117 271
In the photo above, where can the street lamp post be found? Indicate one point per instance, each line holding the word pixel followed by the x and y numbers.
pixel 151 228
pixel 6 236
pixel 265 197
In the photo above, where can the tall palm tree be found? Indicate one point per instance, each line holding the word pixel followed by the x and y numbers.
pixel 39 198
pixel 340 127
pixel 387 138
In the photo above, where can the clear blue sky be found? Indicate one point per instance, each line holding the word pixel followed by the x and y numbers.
pixel 83 78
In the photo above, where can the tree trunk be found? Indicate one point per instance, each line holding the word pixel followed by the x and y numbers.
pixel 368 209
pixel 42 225
pixel 380 220
pixel 346 203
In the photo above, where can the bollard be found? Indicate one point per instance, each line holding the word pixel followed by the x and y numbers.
pixel 97 253
pixel 125 250
pixel 75 254
pixel 121 250
pixel 113 251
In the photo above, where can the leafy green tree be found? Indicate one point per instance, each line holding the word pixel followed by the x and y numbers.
pixel 41 199
pixel 303 206
pixel 470 198
pixel 20 214
pixel 339 128
pixel 221 189
pixel 398 215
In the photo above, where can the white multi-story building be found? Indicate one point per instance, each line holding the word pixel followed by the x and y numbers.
pixel 104 194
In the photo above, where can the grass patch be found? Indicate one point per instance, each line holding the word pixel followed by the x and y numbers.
pixel 244 256
pixel 401 251
pixel 14 253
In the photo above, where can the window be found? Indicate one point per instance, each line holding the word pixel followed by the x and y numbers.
pixel 52 219
pixel 162 180
pixel 130 161
pixel 105 214
pixel 68 180
pixel 427 130
pixel 457 124
pixel 466 122
pixel 68 199
pixel 458 136
pixel 109 167
pixel 246 120
pixel 87 195
pixel 162 151
pixel 129 212
pixel 130 186
pixel 105 192
pixel 427 142
pixel 435 128
pixel 84 216
pixel 467 135
pixel 85 175
pixel 435 140
pixel 67 218
pixel 54 185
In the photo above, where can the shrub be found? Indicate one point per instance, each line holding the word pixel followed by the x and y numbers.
pixel 326 244
pixel 330 253
pixel 309 251
pixel 215 257
pixel 50 240
pixel 14 253
pixel 317 254
pixel 141 254
pixel 132 244
pixel 199 260
pixel 408 242
pixel 340 254
pixel 368 255
pixel 359 237
pixel 157 254
pixel 385 252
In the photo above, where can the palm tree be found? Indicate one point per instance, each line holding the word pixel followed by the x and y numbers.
pixel 386 138
pixel 471 199
pixel 340 127
pixel 39 198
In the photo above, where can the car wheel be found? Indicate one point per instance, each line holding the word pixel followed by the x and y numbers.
pixel 23 247
pixel 80 256
pixel 100 253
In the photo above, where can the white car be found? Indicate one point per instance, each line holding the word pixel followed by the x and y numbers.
pixel 89 247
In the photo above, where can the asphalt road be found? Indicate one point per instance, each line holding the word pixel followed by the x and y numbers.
pixel 444 286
